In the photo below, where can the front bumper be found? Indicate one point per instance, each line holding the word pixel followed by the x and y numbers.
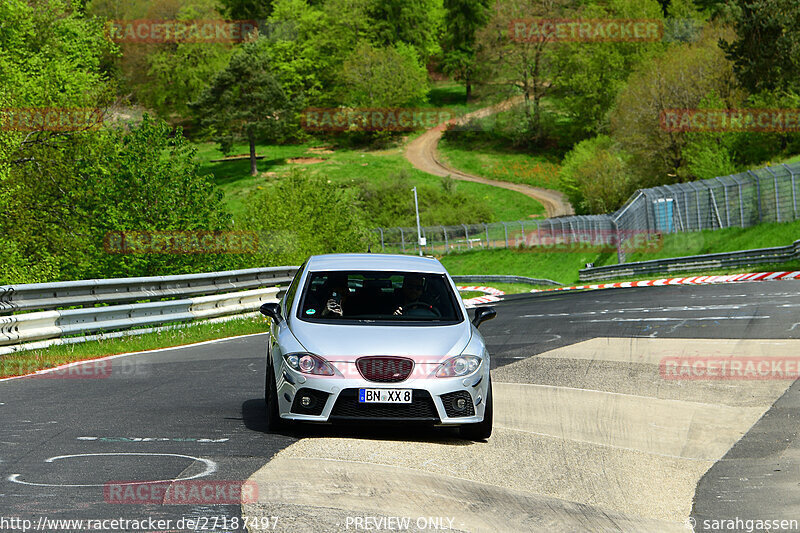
pixel 335 399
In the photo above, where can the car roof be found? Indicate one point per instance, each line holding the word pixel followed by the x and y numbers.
pixel 386 262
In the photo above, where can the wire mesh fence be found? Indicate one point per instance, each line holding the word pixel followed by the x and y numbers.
pixel 765 195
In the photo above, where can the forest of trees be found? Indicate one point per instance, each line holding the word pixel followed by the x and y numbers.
pixel 62 190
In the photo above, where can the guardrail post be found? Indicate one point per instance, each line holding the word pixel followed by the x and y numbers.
pixel 794 195
pixel 505 230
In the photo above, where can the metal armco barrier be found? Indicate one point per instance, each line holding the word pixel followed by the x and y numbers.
pixel 42 296
pixel 193 297
pixel 742 258
pixel 503 279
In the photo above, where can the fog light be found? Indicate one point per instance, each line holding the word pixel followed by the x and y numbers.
pixel 305 401
pixel 460 404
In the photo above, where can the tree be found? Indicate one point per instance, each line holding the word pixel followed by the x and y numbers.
pixel 50 56
pixel 413 22
pixel 766 50
pixel 383 77
pixel 680 79
pixel 248 9
pixel 245 103
pixel 462 21
pixel 523 65
pixel 593 74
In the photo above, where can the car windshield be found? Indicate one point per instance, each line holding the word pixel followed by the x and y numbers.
pixel 379 296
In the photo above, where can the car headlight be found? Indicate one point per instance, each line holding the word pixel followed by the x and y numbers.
pixel 459 366
pixel 308 363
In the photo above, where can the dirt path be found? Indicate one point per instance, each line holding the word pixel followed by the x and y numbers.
pixel 423 154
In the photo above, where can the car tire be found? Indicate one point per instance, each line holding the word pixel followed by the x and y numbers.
pixel 482 430
pixel 274 420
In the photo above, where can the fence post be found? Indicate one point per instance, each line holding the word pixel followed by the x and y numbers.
pixel 741 205
pixel 446 248
pixel 383 246
pixel 403 239
pixel 486 227
pixel 727 207
pixel 777 201
pixel 522 225
pixel 505 230
pixel 620 252
pixel 794 196
pixel 758 191
pixel 466 235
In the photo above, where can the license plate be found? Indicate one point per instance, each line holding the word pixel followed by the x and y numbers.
pixel 384 395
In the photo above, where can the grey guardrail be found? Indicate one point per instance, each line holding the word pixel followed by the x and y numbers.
pixel 740 258
pixel 45 296
pixel 503 279
pixel 159 301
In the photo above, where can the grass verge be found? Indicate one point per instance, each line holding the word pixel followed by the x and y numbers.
pixel 21 363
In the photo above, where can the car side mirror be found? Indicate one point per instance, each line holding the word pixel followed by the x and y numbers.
pixel 482 314
pixel 273 311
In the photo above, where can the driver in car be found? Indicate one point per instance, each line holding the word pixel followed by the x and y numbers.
pixel 412 290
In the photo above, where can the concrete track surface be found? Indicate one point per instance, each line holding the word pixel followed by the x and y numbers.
pixel 589 435
pixel 422 153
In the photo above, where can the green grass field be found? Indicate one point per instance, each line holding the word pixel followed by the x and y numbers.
pixel 344 165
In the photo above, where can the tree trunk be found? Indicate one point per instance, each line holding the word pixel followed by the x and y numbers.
pixel 253 162
pixel 469 89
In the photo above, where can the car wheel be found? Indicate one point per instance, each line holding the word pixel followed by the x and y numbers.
pixel 274 420
pixel 481 430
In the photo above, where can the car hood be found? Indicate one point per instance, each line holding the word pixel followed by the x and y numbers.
pixel 340 342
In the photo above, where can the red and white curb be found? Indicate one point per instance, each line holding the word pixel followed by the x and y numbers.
pixel 492 295
pixel 693 280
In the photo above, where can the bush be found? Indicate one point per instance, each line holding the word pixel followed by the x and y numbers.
pixel 596 177
pixel 303 215
pixel 391 203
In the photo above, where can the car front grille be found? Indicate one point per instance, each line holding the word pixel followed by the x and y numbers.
pixel 449 401
pixel 385 369
pixel 420 409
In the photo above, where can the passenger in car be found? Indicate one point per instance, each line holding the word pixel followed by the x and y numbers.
pixel 338 295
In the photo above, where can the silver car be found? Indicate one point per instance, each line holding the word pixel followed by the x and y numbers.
pixel 373 337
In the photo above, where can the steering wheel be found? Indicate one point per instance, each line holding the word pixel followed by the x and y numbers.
pixel 422 305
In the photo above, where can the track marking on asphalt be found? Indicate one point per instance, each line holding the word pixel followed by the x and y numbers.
pixel 210 468
pixel 672 319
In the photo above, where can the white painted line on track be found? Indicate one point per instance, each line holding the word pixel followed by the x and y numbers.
pixel 210 468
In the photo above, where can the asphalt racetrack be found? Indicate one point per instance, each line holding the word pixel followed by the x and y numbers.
pixel 591 432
